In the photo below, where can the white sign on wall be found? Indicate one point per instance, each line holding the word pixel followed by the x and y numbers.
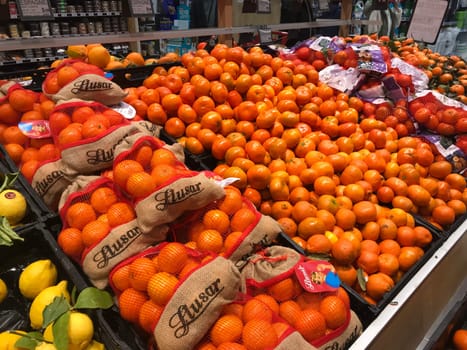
pixel 426 20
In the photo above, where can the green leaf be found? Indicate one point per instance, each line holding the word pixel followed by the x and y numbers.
pixel 29 340
pixel 60 331
pixel 7 234
pixel 56 309
pixel 8 180
pixel 361 279
pixel 93 298
pixel 74 294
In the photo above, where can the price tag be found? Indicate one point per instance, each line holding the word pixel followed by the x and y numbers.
pixel 141 8
pixel 426 20
pixel 128 111
pixel 33 10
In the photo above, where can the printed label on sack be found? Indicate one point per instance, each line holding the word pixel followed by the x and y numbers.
pixel 110 251
pixel 170 196
pixel 187 314
pixel 88 85
pixel 317 276
pixel 44 185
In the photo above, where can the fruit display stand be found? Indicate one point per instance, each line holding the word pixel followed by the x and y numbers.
pixel 436 280
pixel 37 212
pixel 414 317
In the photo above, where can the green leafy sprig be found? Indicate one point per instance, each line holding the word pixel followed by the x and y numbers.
pixel 58 314
pixel 7 234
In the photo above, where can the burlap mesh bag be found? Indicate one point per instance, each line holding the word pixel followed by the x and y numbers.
pixel 270 264
pixel 246 234
pixel 196 304
pixel 204 284
pixel 90 84
pixel 91 87
pixel 254 323
pixel 121 243
pixel 287 275
pixel 96 153
pixel 51 179
pixel 294 340
pixel 149 136
pixel 78 184
pixel 184 193
pixel 182 190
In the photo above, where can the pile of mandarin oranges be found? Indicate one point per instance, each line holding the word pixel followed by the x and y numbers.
pixel 343 176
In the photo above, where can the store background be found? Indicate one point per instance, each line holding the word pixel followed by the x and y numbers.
pixel 452 39
pixel 98 20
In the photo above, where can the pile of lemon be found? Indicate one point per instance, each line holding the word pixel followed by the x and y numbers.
pixel 38 282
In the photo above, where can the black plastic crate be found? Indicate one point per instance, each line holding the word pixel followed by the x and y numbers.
pixel 429 252
pixel 455 225
pixel 192 161
pixel 37 245
pixel 5 161
pixel 443 233
pixel 110 329
pixel 37 210
pixel 134 76
pixel 119 334
pixel 31 79
pixel 368 312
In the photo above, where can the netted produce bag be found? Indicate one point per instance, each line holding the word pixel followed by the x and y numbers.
pixel 438 113
pixel 87 134
pixel 174 293
pixel 74 78
pixel 161 187
pixel 442 121
pixel 50 179
pixel 252 322
pixel 231 226
pixel 8 94
pixel 307 294
pixel 100 228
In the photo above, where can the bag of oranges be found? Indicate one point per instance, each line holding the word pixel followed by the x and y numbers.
pixel 174 293
pixel 252 322
pixel 74 78
pixel 100 229
pixel 161 187
pixel 230 226
pixel 5 86
pixel 87 134
pixel 307 293
pixel 50 179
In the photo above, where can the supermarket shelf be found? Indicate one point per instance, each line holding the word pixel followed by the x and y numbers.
pixel 87 14
pixel 104 38
pixel 30 60
pixel 417 312
pixel 80 14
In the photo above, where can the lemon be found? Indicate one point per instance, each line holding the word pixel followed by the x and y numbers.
pixel 80 331
pixel 48 333
pixel 36 277
pixel 3 291
pixel 12 206
pixel 95 345
pixel 44 298
pixel 8 340
pixel 45 346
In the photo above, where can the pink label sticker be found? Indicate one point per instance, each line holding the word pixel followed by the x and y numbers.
pixel 317 276
pixel 35 129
